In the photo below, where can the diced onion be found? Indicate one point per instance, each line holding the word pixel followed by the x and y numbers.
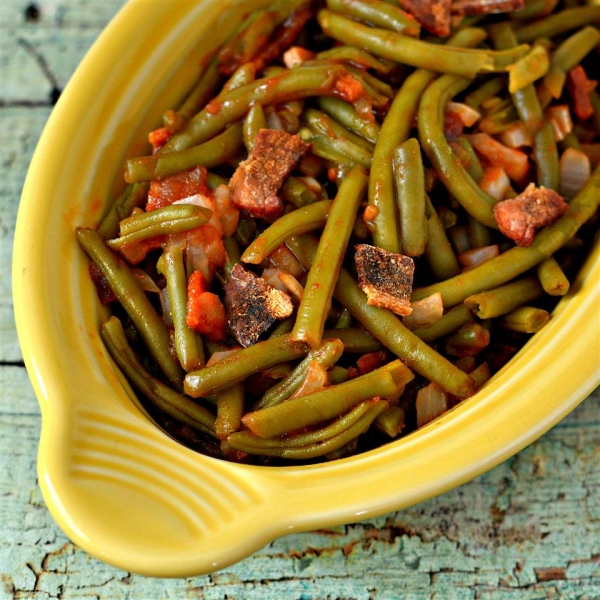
pixel 432 401
pixel 296 55
pixel 292 285
pixel 146 282
pixel 425 312
pixel 516 136
pixel 514 162
pixel 271 276
pixel 575 170
pixel 314 380
pixel 204 202
pixel 494 182
pixel 560 119
pixel 468 115
pixel 229 215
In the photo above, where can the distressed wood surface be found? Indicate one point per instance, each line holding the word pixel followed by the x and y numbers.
pixel 528 529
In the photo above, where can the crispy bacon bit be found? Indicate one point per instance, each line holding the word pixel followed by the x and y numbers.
pixel 166 191
pixel 105 292
pixel 484 7
pixel 519 217
pixel 257 180
pixel 579 87
pixel 433 15
pixel 205 312
pixel 386 278
pixel 253 305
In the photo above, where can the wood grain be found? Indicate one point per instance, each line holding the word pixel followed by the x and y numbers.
pixel 528 529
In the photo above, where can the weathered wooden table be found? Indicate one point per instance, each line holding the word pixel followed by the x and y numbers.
pixel 529 528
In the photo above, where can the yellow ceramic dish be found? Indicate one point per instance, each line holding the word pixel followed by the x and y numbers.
pixel 118 486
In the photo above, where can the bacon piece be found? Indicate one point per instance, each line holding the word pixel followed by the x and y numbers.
pixel 385 277
pixel 205 312
pixel 579 87
pixel 519 217
pixel 166 191
pixel 484 7
pixel 257 180
pixel 253 305
pixel 433 15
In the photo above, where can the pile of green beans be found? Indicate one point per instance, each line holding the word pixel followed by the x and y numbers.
pixel 371 95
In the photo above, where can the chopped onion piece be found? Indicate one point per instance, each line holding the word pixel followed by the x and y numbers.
pixel 314 380
pixel 476 256
pixel 432 401
pixel 229 215
pixel 495 182
pixel 220 355
pixel 146 282
pixel 271 276
pixel 516 136
pixel 468 115
pixel 284 259
pixel 560 119
pixel 292 285
pixel 204 202
pixel 296 55
pixel 514 162
pixel 575 170
pixel 425 312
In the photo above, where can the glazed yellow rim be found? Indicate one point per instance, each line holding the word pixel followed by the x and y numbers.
pixel 123 490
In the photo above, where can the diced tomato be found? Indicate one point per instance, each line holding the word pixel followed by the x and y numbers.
pixel 159 137
pixel 579 87
pixel 176 187
pixel 205 311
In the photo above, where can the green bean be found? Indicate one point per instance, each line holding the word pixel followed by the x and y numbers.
pixel 431 133
pixel 230 408
pixel 355 56
pixel 326 355
pixel 379 93
pixel 528 69
pixel 480 374
pixel 325 125
pixel 456 317
pixel 345 114
pixel 329 445
pixel 188 344
pixel 552 277
pixel 255 121
pixel 337 149
pixel 133 196
pixel 283 327
pixel 558 23
pixel 525 319
pixel 377 13
pixel 479 235
pixel 135 302
pixel 296 83
pixel 503 299
pixel 467 340
pixel 391 421
pixel 162 227
pixel 297 192
pixel 470 161
pixel 322 276
pixel 534 8
pixel 546 158
pixel 438 250
pixel 410 189
pixel 202 92
pixel 213 180
pixel 163 214
pixel 303 411
pixel 356 340
pixel 212 153
pixel 162 396
pixel 302 220
pixel 416 53
pixel 243 363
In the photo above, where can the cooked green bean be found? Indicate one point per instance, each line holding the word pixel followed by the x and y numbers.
pixel 322 123
pixel 503 299
pixel 438 250
pixel 135 302
pixel 517 260
pixel 355 339
pixel 485 91
pixel 431 133
pixel 346 115
pixel 337 149
pixel 166 399
pixel 297 192
pixel 211 153
pixel 560 22
pixel 302 220
pixel 230 409
pixel 525 319
pixel 356 56
pixel 325 355
pixel 188 344
pixel 255 121
pixel 322 276
pixel 163 214
pixel 410 190
pixel 241 364
pixel 297 83
pixel 467 340
pixel 303 411
pixel 391 421
pixel 377 13
pixel 329 445
pixel 416 53
pixel 133 196
pixel 552 277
